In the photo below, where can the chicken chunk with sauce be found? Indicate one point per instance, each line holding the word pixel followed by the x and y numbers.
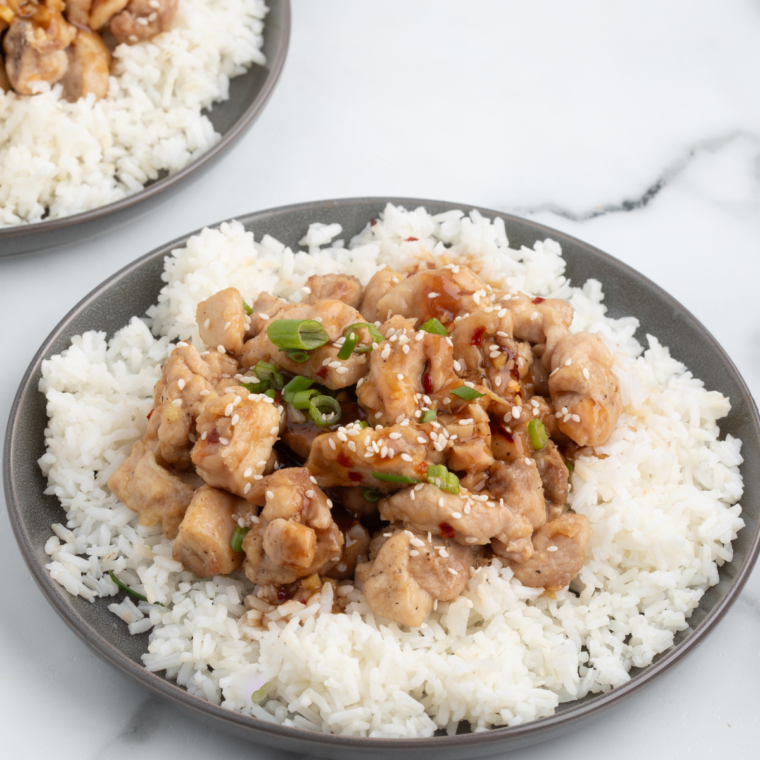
pixel 203 542
pixel 338 287
pixel 142 20
pixel 147 488
pixel 380 284
pixel 89 67
pixel 222 321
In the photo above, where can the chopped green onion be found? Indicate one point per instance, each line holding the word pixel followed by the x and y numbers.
pixel 305 334
pixel 298 383
pixel 272 393
pixel 387 478
pixel 324 410
pixel 372 494
pixel 247 308
pixel 439 476
pixel 259 694
pixel 269 372
pixel 428 416
pixel 362 424
pixel 131 592
pixel 467 393
pixel 236 542
pixel 537 433
pixel 256 387
pixel 297 355
pixel 570 467
pixel 348 346
pixel 435 327
pixel 373 331
pixel 302 399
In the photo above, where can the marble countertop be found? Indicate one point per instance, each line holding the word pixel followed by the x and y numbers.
pixel 634 126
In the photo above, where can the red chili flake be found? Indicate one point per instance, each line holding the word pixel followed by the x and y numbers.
pixel 447 531
pixel 151 412
pixel 344 460
pixel 477 336
pixel 427 383
pixel 372 222
pixel 303 601
pixel 322 372
pixel 411 239
pixel 213 436
pixel 282 594
pixel 278 397
pixel 355 476
pixel 538 300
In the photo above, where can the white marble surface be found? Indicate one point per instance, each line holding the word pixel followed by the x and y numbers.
pixel 635 126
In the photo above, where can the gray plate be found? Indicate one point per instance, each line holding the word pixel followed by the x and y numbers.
pixel 249 94
pixel 132 290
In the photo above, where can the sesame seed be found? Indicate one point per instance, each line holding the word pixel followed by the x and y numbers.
pixel 205 392
pixel 457 366
pixel 452 571
pixel 433 294
pixel 394 436
pixel 248 473
pixel 497 381
pixel 414 553
pixel 564 410
pixel 306 289
pixel 420 439
pixel 263 463
pixel 270 495
pixel 552 548
pixel 405 349
pixel 263 316
pixel 227 325
pixel 332 444
pixel 411 495
pixel 406 458
pixel 224 453
pixel 399 376
pixel 450 342
pixel 501 313
pixel 224 441
pixel 527 461
pixel 568 362
pixel 351 446
pixel 247 488
pixel 378 415
pixel 418 487
pixel 177 402
pixel 342 436
pixel 416 542
pixel 586 373
pixel 386 352
pixel 534 316
pixel 575 418
pixel 180 383
pixel 236 419
pixel 516 412
pixel 203 437
pixel 471 540
pixel 419 336
pixel 383 452
pixel 258 477
pixel 387 535
pixel 440 502
pixel 221 349
pixel 310 494
pixel 456 515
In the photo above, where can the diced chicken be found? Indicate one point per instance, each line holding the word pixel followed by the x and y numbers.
pixel 78 12
pixel 338 287
pixel 443 294
pixel 263 309
pixel 323 364
pixel 143 19
pixel 380 284
pixel 236 433
pixel 511 441
pixel 353 500
pixel 35 50
pixel 470 433
pixel 89 67
pixel 102 11
pixel 554 474
pixel 394 450
pixel 410 573
pixel 560 549
pixel 519 485
pixel 187 383
pixel 296 535
pixel 222 321
pixel 356 549
pixel 541 321
pixel 405 373
pixel 153 492
pixel 465 518
pixel 584 389
pixel 203 543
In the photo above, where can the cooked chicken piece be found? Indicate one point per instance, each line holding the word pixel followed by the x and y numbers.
pixel 296 535
pixel 78 12
pixel 102 11
pixel 35 50
pixel 410 573
pixel 538 382
pixel 143 19
pixel 338 287
pixel 470 432
pixel 553 471
pixel 560 551
pixel 584 389
pixel 405 372
pixel 512 441
pixel 203 543
pixel 222 321
pixel 150 490
pixel 353 500
pixel 355 549
pixel 187 383
pixel 380 284
pixel 519 485
pixel 335 317
pixel 465 518
pixel 89 67
pixel 541 321
pixel 236 435
pixel 395 450
pixel 263 309
pixel 440 293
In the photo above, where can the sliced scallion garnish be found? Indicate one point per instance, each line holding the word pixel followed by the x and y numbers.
pixel 131 592
pixel 439 476
pixel 372 494
pixel 324 410
pixel 467 393
pixel 266 371
pixel 348 346
pixel 428 416
pixel 272 393
pixel 302 399
pixel 259 694
pixel 388 478
pixel 570 467
pixel 435 327
pixel 298 383
pixel 305 334
pixel 247 308
pixel 537 433
pixel 362 424
pixel 373 331
pixel 256 387
pixel 236 542
pixel 297 355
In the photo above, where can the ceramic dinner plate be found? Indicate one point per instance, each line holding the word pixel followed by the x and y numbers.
pixel 132 290
pixel 231 118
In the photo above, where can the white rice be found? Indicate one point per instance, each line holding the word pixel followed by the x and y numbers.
pixel 64 158
pixel 662 506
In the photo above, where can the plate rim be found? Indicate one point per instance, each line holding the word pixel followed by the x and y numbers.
pixel 243 123
pixel 522 733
